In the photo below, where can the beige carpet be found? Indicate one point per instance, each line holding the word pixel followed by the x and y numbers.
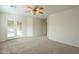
pixel 37 45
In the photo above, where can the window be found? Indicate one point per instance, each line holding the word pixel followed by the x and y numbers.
pixel 11 29
pixel 14 28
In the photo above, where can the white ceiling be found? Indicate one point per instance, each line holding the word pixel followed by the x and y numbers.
pixel 49 9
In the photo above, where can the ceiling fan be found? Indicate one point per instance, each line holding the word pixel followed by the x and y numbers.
pixel 35 10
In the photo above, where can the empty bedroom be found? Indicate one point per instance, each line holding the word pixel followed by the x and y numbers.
pixel 39 29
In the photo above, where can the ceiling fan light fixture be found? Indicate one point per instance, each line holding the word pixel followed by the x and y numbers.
pixel 36 10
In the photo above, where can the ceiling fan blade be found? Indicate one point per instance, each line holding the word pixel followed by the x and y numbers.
pixel 41 8
pixel 41 12
pixel 29 7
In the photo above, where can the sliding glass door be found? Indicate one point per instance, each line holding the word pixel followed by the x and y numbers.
pixel 14 29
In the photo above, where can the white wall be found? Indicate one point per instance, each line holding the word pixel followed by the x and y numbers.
pixel 3 29
pixel 64 27
pixel 45 27
pixel 37 26
pixel 27 25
